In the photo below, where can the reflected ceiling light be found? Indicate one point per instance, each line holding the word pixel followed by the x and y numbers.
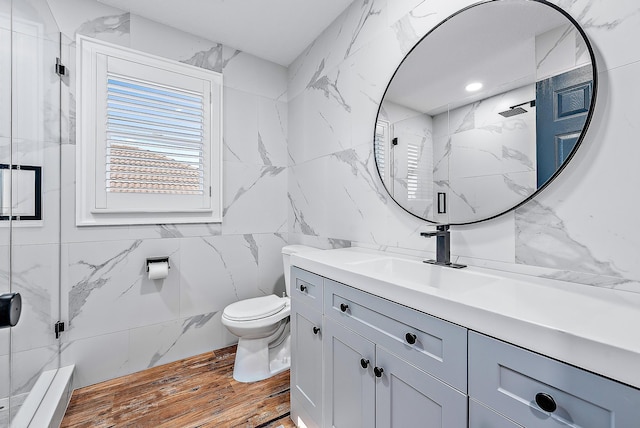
pixel 472 87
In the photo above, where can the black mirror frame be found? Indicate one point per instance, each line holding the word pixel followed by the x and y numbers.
pixel 569 157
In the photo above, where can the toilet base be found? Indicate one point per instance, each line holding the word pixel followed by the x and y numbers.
pixel 256 361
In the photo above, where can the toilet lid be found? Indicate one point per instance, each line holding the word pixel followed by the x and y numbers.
pixel 258 307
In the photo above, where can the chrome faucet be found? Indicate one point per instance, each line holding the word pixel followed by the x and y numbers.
pixel 443 247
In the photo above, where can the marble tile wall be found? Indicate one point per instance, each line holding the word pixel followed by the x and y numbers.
pixel 119 321
pixel 582 228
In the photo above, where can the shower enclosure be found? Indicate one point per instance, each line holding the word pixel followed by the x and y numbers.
pixel 30 144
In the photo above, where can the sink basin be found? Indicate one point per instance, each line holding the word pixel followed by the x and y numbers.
pixel 416 272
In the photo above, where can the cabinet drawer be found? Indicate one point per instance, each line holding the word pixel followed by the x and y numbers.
pixel 483 417
pixel 439 347
pixel 508 379
pixel 306 287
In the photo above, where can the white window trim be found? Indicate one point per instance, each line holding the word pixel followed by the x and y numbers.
pixel 86 152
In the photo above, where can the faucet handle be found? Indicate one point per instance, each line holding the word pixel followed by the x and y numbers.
pixel 442 230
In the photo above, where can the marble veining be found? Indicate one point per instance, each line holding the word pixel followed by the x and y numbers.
pixel 264 154
pixel 211 59
pixel 328 87
pixel 517 188
pixel 368 10
pixel 267 171
pixel 539 228
pixel 299 221
pixel 227 269
pixel 195 322
pixel 97 277
pixel 113 24
pixel 253 247
pixel 361 168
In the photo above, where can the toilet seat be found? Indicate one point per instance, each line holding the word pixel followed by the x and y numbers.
pixel 255 308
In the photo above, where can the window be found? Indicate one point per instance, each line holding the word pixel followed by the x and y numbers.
pixel 149 139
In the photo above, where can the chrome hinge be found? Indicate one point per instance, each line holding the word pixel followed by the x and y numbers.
pixel 58 328
pixel 61 70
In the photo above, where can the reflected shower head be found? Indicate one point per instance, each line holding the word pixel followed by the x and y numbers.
pixel 512 112
pixel 516 109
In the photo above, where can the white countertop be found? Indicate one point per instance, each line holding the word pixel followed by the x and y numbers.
pixel 589 327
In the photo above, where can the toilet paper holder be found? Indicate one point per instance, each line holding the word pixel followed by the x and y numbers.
pixel 157 260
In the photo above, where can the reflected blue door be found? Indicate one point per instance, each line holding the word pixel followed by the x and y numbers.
pixel 562 105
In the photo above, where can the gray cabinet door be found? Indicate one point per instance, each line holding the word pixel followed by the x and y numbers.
pixel 349 396
pixel 408 397
pixel 306 364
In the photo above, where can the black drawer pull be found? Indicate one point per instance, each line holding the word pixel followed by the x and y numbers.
pixel 303 288
pixel 410 338
pixel 316 330
pixel 344 307
pixel 364 363
pixel 546 402
pixel 378 371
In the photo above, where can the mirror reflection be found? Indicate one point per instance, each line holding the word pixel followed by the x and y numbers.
pixel 484 111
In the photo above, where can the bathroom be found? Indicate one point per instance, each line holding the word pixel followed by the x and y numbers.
pixel 298 168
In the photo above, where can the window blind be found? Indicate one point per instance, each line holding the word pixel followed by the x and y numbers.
pixel 380 147
pixel 155 138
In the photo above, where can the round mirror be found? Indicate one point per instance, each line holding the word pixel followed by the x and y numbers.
pixel 485 111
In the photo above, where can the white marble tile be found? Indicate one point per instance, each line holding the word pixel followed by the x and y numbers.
pixel 5 372
pixel 26 367
pixel 167 342
pixel 353 191
pixel 317 241
pixel 327 113
pixel 5 260
pixel 97 358
pixel 35 275
pixel 27 14
pixel 270 267
pixel 251 74
pixel 216 271
pixel 168 42
pixel 608 25
pixel 240 127
pixel 254 198
pixel 5 87
pixel 92 19
pixel 306 211
pixel 108 288
pixel 36 91
pixel 272 132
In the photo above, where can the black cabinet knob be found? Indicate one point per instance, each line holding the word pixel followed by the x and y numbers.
pixel 410 338
pixel 316 330
pixel 303 288
pixel 378 371
pixel 546 402
pixel 364 363
pixel 344 307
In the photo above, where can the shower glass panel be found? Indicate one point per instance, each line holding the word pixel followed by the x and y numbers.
pixel 30 202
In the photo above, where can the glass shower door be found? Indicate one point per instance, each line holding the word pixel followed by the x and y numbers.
pixel 30 224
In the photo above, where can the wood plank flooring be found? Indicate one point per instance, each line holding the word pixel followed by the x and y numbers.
pixel 194 392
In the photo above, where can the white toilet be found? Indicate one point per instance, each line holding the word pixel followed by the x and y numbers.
pixel 262 325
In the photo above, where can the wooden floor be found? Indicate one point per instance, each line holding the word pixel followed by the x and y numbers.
pixel 194 392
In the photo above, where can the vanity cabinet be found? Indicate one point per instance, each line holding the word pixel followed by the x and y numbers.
pixel 306 348
pixel 359 360
pixel 530 390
